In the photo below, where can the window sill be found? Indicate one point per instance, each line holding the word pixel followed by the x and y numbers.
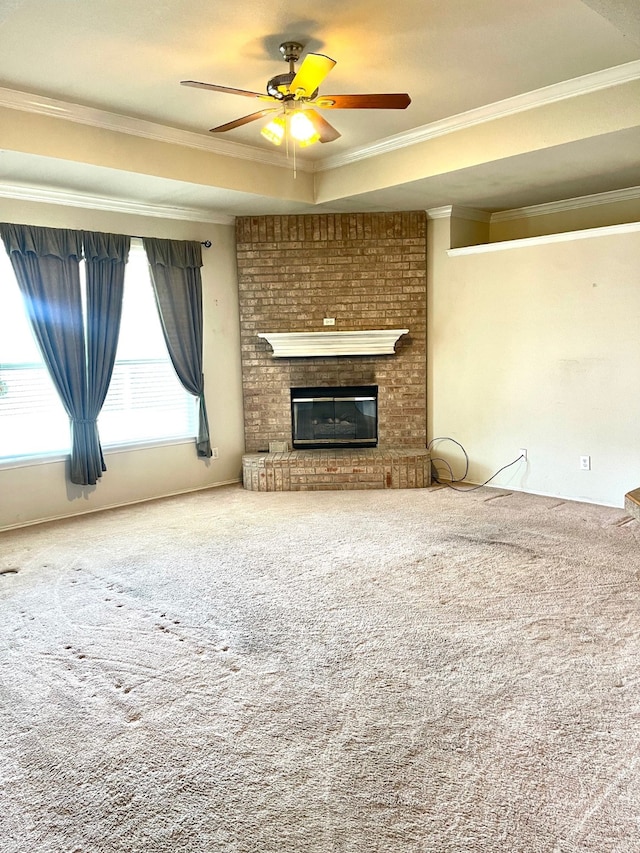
pixel 107 449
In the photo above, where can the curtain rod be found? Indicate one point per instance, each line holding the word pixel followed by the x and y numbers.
pixel 205 243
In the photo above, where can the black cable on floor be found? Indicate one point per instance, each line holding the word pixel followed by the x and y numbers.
pixel 449 483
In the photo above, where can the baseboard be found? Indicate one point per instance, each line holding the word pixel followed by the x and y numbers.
pixel 117 505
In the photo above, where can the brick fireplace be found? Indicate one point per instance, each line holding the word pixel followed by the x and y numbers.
pixel 366 271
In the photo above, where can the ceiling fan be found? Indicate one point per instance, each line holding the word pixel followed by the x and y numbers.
pixel 294 100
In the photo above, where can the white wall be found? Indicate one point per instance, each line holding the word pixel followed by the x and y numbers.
pixel 538 346
pixel 533 346
pixel 37 492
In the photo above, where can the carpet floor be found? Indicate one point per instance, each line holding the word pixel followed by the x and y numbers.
pixel 324 672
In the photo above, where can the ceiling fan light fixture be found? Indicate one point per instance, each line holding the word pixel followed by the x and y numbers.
pixel 275 130
pixel 294 97
pixel 303 130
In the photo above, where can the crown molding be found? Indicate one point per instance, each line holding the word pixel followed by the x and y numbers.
pixel 113 205
pixel 459 212
pixel 584 85
pixel 440 212
pixel 568 204
pixel 562 237
pixel 612 197
pixel 105 120
pixel 94 117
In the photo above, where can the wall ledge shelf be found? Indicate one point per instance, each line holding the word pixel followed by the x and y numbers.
pixel 312 344
pixel 543 239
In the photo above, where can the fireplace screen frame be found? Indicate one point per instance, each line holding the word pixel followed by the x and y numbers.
pixel 334 416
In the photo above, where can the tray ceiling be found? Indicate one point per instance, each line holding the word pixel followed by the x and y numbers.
pixel 114 68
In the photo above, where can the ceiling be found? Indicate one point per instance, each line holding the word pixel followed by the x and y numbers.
pixel 514 103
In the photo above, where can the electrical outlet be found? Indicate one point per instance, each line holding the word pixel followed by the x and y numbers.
pixel 329 321
pixel 523 453
pixel 214 452
pixel 585 463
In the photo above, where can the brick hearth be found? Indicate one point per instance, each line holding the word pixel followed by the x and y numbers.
pixel 314 470
pixel 632 503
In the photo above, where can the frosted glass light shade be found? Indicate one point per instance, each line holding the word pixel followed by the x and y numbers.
pixel 275 130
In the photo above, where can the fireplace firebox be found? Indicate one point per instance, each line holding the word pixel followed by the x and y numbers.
pixel 338 416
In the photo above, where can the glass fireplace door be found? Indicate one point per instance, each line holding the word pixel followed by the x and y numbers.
pixel 337 417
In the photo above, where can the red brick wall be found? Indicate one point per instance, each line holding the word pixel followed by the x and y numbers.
pixel 368 270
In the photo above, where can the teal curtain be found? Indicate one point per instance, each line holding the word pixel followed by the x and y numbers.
pixel 177 283
pixel 46 262
pixel 106 257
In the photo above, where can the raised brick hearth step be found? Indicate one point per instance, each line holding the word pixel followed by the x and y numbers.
pixel 312 470
pixel 632 503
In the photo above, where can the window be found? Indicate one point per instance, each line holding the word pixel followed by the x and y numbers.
pixel 145 402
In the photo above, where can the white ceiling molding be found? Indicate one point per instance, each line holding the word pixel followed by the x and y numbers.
pixel 455 210
pixel 629 194
pixel 114 205
pixel 440 212
pixel 94 117
pixel 48 195
pixel 615 76
pixel 140 127
pixel 307 344
pixel 564 237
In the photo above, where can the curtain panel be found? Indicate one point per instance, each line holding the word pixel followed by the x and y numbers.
pixel 46 262
pixel 105 257
pixel 175 273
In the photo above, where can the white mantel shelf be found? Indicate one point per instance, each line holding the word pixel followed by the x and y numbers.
pixel 306 344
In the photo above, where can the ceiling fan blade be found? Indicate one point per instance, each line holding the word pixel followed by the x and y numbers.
pixel 327 132
pixel 213 88
pixel 314 68
pixel 363 102
pixel 230 125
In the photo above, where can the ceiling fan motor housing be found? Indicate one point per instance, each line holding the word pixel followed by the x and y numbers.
pixel 278 86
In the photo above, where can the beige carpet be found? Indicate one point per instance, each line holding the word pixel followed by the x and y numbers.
pixel 329 672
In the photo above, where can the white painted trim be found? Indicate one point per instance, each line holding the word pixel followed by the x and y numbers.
pixel 47 195
pixel 29 461
pixel 584 85
pixel 141 127
pixel 612 197
pixel 564 205
pixel 93 510
pixel 440 212
pixel 307 344
pixel 555 495
pixel 11 462
pixel 564 237
pixel 115 205
pixel 458 212
pixel 22 192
